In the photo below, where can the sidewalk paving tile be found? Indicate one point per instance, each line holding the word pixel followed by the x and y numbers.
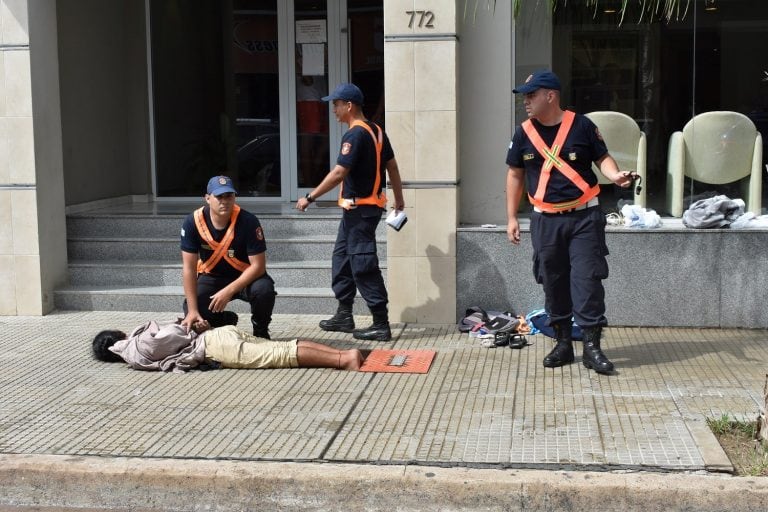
pixel 476 406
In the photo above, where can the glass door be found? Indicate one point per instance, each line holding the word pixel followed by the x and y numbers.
pixel 256 72
pixel 319 63
pixel 334 41
pixel 236 89
pixel 215 89
pixel 311 84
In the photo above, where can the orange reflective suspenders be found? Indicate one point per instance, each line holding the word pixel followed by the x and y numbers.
pixel 378 199
pixel 220 249
pixel 552 159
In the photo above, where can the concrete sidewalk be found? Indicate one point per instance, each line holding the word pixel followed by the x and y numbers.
pixel 483 423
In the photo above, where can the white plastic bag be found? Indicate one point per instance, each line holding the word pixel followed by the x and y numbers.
pixel 637 217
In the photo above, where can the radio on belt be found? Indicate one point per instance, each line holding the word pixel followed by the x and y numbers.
pixel 396 219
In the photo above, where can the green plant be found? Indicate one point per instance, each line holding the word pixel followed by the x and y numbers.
pixel 668 9
pixel 721 425
pixel 739 440
pixel 748 428
pixel 759 465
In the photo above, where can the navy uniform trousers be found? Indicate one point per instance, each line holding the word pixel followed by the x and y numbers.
pixel 355 262
pixel 260 294
pixel 569 253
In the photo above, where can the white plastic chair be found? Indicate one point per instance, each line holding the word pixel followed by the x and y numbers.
pixel 715 148
pixel 626 144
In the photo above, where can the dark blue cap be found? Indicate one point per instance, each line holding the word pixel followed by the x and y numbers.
pixel 220 185
pixel 346 92
pixel 543 79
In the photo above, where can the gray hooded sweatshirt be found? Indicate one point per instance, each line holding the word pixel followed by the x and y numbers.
pixel 168 347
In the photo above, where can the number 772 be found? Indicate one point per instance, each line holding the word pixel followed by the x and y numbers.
pixel 426 18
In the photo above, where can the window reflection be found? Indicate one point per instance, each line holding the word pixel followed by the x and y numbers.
pixel 215 95
pixel 661 74
pixel 311 53
pixel 256 92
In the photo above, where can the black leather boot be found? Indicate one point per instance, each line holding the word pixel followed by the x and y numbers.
pixel 562 354
pixel 261 327
pixel 342 321
pixel 378 331
pixel 261 333
pixel 592 357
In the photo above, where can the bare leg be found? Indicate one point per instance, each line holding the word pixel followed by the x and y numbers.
pixel 320 347
pixel 316 355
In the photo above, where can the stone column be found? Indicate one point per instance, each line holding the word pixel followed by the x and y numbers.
pixel 32 217
pixel 420 69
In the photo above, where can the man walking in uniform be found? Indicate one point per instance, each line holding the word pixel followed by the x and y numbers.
pixel 553 152
pixel 364 159
pixel 223 258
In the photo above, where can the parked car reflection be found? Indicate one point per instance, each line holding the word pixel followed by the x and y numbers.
pixel 258 158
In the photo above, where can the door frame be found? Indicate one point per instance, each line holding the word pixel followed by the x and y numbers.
pixel 337 31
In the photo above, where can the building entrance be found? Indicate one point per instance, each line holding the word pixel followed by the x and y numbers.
pixel 236 89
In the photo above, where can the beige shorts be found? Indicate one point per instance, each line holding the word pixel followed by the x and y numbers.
pixel 234 348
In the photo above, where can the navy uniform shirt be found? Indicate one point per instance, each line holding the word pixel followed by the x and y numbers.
pixel 248 241
pixel 582 146
pixel 358 154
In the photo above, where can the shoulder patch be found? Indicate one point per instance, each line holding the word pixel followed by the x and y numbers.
pixel 597 132
pixel 346 148
pixel 510 144
pixel 259 233
pixel 183 233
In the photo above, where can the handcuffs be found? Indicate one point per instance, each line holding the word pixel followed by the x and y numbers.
pixel 634 177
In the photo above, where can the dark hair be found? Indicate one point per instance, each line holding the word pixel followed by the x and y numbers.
pixel 103 341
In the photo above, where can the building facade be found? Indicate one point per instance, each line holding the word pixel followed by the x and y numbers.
pixel 143 100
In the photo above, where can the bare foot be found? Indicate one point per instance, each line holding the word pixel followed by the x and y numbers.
pixel 351 360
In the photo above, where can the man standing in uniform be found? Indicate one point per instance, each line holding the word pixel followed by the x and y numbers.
pixel 364 159
pixel 223 258
pixel 553 151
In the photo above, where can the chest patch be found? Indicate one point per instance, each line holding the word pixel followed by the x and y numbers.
pixel 572 156
pixel 528 156
pixel 346 148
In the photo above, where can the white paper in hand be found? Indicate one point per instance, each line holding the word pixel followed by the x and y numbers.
pixel 396 219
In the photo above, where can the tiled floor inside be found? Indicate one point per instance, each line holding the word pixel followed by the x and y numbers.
pixel 476 406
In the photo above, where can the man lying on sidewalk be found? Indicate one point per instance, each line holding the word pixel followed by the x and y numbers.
pixel 173 347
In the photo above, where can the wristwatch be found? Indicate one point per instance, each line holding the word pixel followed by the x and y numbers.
pixel 309 197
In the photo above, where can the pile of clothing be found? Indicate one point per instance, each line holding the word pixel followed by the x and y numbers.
pixel 722 212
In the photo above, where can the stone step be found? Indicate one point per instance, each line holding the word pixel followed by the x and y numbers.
pixel 169 226
pixel 131 261
pixel 292 274
pixel 166 250
pixel 317 301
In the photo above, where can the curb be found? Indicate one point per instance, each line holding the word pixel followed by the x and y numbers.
pixel 71 482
